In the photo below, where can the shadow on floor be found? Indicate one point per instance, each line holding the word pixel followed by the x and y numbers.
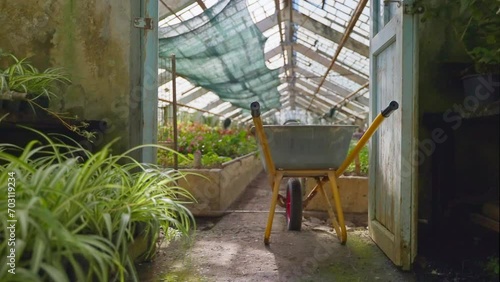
pixel 231 248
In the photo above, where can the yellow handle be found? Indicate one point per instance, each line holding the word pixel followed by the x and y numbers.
pixel 367 135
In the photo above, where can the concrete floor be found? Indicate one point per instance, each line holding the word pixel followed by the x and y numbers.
pixel 231 248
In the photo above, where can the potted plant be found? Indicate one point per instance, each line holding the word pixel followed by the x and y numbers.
pixel 84 216
pixel 21 82
pixel 25 89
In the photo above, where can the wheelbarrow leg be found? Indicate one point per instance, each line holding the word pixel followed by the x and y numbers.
pixel 274 200
pixel 336 197
pixel 335 224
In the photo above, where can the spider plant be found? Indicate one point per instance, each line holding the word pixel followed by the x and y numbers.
pixel 78 212
pixel 22 77
pixel 21 81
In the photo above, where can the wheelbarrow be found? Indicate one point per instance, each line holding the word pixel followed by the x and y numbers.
pixel 308 151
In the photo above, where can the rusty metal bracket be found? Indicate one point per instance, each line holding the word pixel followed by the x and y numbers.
pixel 144 23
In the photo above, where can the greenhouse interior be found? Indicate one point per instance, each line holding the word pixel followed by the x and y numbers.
pixel 249 140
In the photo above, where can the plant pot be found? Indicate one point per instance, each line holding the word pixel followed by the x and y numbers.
pixel 27 108
pixel 12 106
pixel 138 249
pixel 484 87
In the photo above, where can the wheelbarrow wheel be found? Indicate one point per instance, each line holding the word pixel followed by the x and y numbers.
pixel 293 205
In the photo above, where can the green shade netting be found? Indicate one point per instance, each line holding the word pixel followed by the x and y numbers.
pixel 222 50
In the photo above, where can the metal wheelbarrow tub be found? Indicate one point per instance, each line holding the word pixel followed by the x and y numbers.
pixel 296 150
pixel 308 147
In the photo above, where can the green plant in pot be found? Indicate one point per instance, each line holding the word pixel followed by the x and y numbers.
pixel 84 216
pixel 25 89
pixel 478 28
pixel 21 81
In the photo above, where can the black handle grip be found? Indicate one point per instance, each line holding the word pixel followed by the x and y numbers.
pixel 255 108
pixel 393 105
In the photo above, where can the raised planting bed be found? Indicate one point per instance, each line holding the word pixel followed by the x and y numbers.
pixel 215 189
pixel 219 163
pixel 353 192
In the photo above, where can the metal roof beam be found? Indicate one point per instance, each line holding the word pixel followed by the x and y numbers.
pixel 350 26
pixel 289 31
pixel 337 89
pixel 336 99
pixel 329 33
pixel 325 61
pixel 173 6
pixel 315 109
pixel 354 104
pixel 192 95
pixel 227 110
pixel 325 106
pixel 311 79
pixel 316 27
pixel 213 105
pixel 234 114
pixel 321 99
pixel 328 103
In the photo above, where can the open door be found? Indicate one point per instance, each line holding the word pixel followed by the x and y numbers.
pixel 393 69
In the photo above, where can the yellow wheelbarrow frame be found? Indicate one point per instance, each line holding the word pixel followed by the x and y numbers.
pixel 320 175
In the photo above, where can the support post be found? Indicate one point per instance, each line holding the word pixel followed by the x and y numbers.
pixel 149 82
pixel 174 114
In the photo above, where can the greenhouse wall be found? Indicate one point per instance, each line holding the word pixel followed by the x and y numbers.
pixel 466 147
pixel 95 42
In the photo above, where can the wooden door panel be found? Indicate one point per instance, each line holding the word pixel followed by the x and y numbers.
pixel 392 77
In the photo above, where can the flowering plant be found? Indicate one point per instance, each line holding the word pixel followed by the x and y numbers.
pixel 216 145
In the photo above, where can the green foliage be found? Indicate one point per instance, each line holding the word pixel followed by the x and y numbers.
pixel 363 159
pixel 480 32
pixel 476 25
pixel 215 144
pixel 20 76
pixel 492 267
pixel 79 212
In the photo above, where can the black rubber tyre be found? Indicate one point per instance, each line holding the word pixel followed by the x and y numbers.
pixel 293 205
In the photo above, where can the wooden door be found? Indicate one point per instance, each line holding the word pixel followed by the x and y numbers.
pixel 392 199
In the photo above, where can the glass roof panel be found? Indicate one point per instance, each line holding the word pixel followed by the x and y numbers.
pixel 327 48
pixel 335 14
pixel 261 9
pixel 221 107
pixel 204 100
pixel 183 87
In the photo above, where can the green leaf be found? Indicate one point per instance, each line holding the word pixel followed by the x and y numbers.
pixel 55 274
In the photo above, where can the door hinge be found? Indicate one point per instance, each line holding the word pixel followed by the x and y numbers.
pixel 414 8
pixel 145 23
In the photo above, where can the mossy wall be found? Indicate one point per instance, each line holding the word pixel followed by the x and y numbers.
pixel 442 58
pixel 94 41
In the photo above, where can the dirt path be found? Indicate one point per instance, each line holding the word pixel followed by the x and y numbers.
pixel 231 248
